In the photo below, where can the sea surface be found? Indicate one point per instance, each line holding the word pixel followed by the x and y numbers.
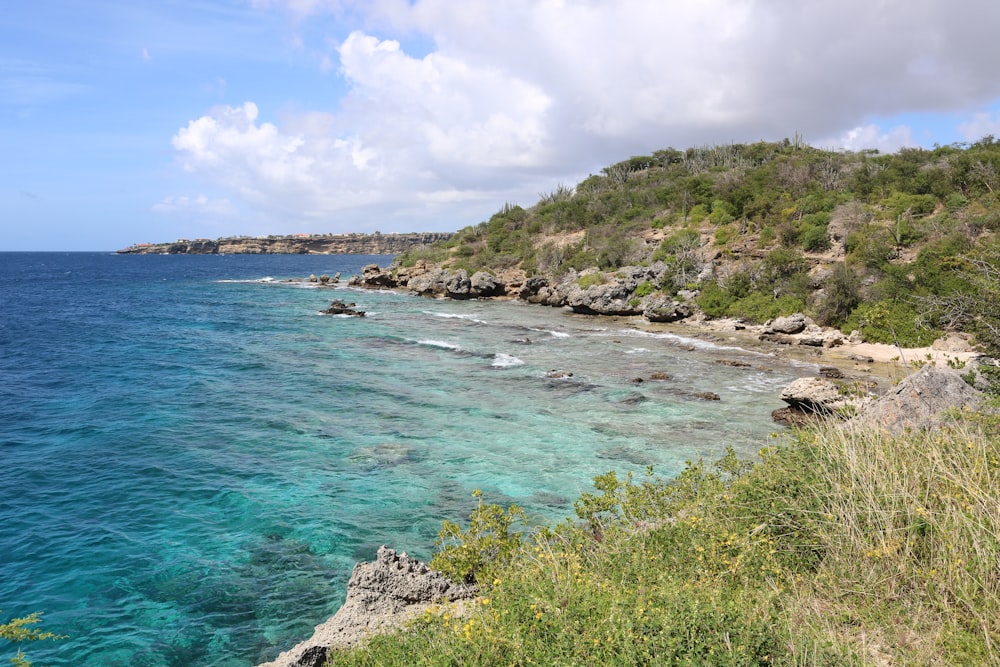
pixel 193 457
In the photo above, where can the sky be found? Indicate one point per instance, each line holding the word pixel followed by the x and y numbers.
pixel 124 122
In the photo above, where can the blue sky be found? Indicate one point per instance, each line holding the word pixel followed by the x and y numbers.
pixel 128 122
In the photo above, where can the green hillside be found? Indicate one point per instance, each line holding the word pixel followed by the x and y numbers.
pixel 898 246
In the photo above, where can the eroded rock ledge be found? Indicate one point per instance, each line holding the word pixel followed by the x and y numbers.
pixel 381 596
pixel 918 402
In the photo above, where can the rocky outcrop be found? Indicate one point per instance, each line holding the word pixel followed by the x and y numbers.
pixel 665 309
pixel 381 596
pixel 919 401
pixel 299 244
pixel 813 396
pixel 432 281
pixel 343 308
pixel 791 324
pixel 813 399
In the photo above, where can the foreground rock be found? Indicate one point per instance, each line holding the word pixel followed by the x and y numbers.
pixel 381 596
pixel 920 401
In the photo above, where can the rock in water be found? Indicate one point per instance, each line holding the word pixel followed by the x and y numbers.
pixel 341 308
pixel 381 596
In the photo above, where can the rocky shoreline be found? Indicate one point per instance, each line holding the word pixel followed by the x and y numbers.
pixel 615 295
pixel 903 389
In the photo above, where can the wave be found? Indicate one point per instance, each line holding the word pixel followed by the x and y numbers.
pixel 501 360
pixel 264 280
pixel 554 334
pixel 456 316
pixel 444 345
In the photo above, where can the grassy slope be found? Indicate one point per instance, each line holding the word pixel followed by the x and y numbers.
pixel 837 548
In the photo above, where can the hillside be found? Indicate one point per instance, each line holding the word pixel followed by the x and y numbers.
pixel 898 246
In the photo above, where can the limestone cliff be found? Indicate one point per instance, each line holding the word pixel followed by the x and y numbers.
pixel 318 244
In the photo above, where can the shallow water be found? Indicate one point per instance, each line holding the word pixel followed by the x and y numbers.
pixel 193 457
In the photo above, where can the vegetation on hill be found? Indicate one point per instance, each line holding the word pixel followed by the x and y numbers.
pixel 898 246
pixel 837 548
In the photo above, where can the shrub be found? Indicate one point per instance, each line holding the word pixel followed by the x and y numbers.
pixel 18 630
pixel 815 238
pixel 644 289
pixel 590 279
pixel 714 300
pixel 893 323
pixel 486 546
pixel 841 295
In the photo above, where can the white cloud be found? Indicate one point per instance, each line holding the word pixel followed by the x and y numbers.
pixel 870 136
pixel 200 205
pixel 982 124
pixel 508 98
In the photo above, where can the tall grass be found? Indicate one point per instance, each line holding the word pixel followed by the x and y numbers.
pixel 911 544
pixel 837 547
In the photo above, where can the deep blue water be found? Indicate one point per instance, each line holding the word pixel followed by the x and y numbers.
pixel 192 457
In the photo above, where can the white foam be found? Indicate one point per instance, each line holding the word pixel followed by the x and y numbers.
pixel 501 360
pixel 444 345
pixel 554 334
pixel 637 350
pixel 455 316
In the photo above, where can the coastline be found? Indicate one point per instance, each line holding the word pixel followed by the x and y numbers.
pixel 879 365
pixel 878 360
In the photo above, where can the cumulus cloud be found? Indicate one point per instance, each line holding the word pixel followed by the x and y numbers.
pixel 870 136
pixel 512 97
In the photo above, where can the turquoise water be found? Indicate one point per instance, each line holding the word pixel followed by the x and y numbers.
pixel 192 457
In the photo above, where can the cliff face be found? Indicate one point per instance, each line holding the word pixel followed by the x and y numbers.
pixel 324 244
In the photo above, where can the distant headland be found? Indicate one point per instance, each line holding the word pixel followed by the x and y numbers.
pixel 293 244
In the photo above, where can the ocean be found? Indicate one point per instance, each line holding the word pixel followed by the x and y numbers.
pixel 193 457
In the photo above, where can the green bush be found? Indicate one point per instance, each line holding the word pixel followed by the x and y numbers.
pixel 815 238
pixel 714 300
pixel 590 280
pixel 644 289
pixel 893 323
pixel 486 546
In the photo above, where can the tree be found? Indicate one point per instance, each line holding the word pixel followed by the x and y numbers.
pixel 841 296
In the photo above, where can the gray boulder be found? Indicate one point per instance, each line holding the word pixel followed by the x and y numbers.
pixel 919 401
pixel 484 284
pixel 665 309
pixel 792 324
pixel 813 396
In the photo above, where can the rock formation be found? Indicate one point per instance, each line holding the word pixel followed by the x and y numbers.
pixel 338 307
pixel 919 401
pixel 381 596
pixel 298 244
